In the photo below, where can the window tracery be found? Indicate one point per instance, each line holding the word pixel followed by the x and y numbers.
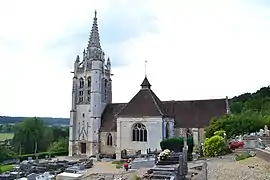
pixel 139 133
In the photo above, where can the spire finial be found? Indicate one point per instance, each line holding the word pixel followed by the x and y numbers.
pixel 77 59
pixel 145 63
pixel 94 40
pixel 108 60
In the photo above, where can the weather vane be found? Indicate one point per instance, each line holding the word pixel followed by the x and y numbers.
pixel 145 63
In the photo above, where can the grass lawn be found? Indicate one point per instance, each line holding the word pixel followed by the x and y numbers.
pixel 5 136
pixel 5 168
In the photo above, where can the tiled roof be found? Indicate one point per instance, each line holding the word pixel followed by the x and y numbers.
pixel 197 113
pixel 187 114
pixel 144 103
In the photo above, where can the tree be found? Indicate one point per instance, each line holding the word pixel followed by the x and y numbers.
pixel 249 113
pixel 59 146
pixel 4 153
pixel 59 132
pixel 30 135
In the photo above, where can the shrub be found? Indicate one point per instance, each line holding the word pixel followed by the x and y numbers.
pixel 220 133
pixel 215 146
pixel 59 146
pixel 176 144
pixel 121 162
pixel 118 166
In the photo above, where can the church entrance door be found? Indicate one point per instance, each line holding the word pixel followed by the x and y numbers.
pixel 83 148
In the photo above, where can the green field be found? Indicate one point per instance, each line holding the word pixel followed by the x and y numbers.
pixel 5 136
pixel 6 168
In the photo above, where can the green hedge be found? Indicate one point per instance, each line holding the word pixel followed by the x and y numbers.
pixel 41 155
pixel 177 144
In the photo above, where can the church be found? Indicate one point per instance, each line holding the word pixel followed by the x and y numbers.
pixel 98 126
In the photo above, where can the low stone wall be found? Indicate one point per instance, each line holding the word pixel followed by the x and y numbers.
pixel 251 143
pixel 264 154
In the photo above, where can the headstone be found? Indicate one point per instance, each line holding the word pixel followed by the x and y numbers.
pixel 240 138
pixel 181 165
pixel 185 159
pixel 201 149
pixel 261 144
pixel 266 130
pixel 261 132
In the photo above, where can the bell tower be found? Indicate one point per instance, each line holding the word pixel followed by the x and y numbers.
pixel 90 94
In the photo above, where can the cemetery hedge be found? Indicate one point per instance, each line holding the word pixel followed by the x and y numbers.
pixel 42 155
pixel 177 144
pixel 5 168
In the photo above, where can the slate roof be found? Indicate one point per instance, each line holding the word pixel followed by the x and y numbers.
pixel 108 117
pixel 196 113
pixel 187 114
pixel 144 104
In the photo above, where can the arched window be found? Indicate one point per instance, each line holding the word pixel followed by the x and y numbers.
pixel 139 132
pixel 89 81
pixel 81 83
pixel 109 139
pixel 167 130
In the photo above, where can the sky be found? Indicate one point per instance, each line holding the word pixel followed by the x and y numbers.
pixel 194 49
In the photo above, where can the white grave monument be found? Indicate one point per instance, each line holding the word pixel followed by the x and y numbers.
pixel 266 130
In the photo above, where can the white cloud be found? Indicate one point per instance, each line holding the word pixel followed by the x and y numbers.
pixel 202 49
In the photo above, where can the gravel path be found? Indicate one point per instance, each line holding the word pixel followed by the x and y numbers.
pixel 252 168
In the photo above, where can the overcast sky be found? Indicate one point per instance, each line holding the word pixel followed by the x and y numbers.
pixel 195 49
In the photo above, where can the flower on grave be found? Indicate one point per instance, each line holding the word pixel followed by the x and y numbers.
pixel 164 154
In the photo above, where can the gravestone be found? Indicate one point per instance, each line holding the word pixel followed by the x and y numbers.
pixel 266 130
pixel 261 132
pixel 174 166
pixel 204 171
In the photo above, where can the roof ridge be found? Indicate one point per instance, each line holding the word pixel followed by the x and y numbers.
pixel 122 109
pixel 192 100
pixel 151 93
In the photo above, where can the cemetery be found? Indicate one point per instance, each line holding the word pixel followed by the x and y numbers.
pixel 178 160
pixel 46 169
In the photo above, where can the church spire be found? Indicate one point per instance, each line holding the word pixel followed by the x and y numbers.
pixel 94 40
pixel 145 84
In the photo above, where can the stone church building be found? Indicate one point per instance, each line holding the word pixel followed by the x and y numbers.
pixel 99 126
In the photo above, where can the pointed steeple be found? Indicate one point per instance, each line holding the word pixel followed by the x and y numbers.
pixel 77 59
pixel 145 84
pixel 108 61
pixel 94 40
pixel 84 54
